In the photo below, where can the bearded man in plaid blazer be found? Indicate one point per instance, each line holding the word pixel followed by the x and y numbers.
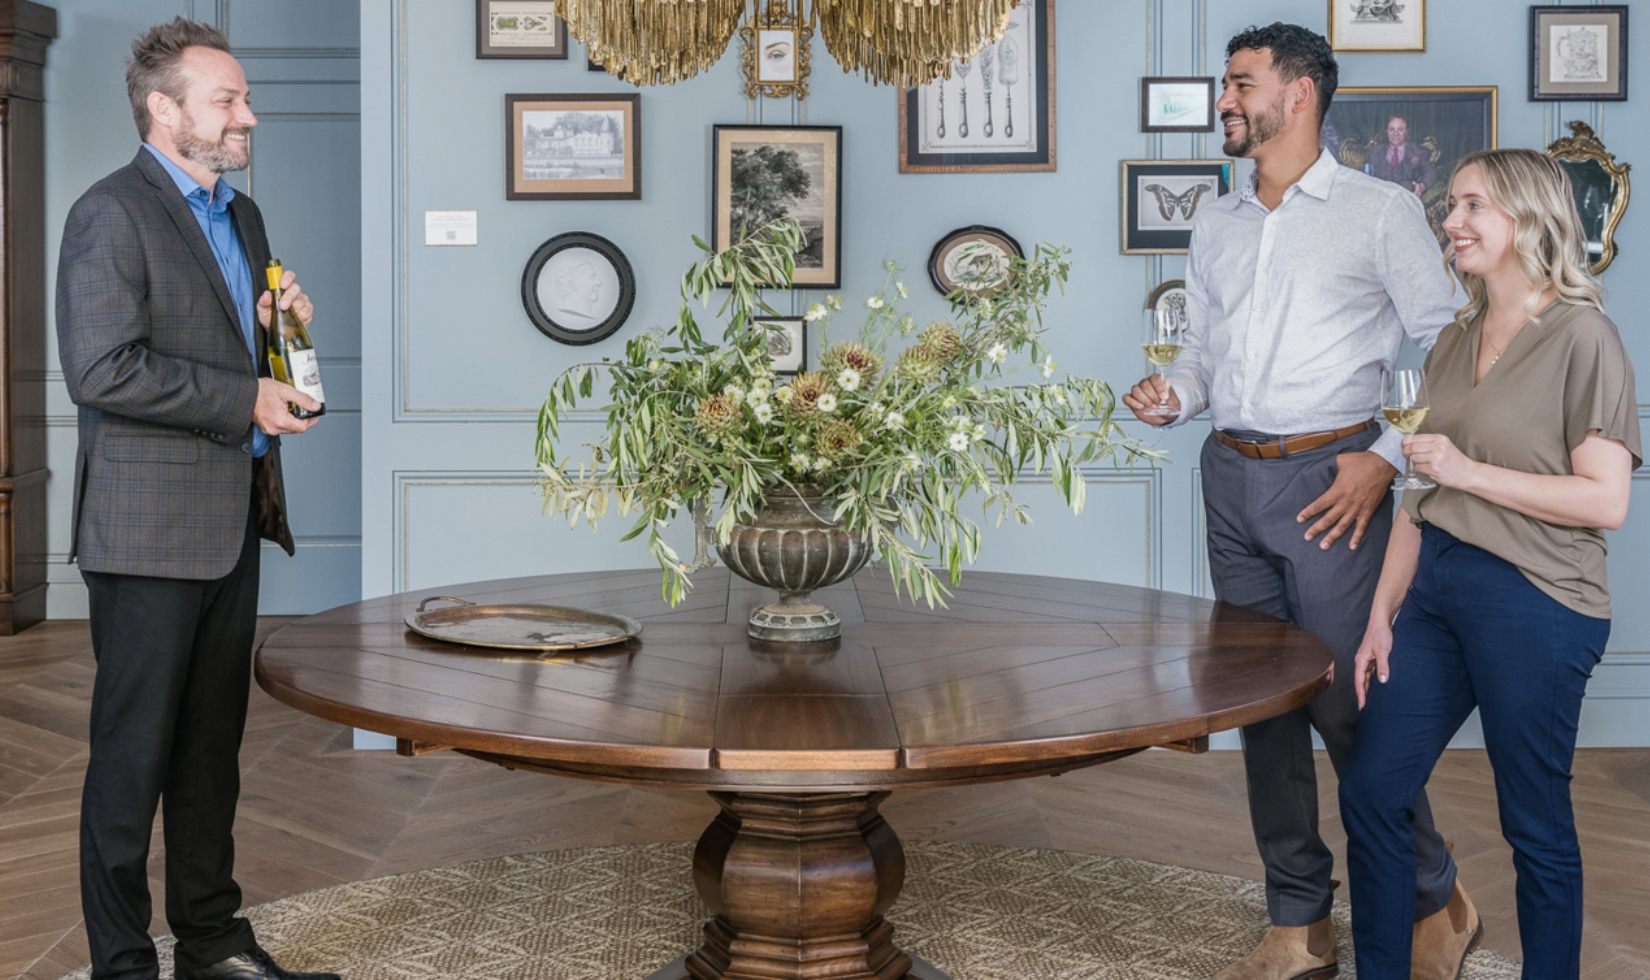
pixel 161 331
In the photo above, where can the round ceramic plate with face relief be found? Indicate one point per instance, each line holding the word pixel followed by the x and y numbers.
pixel 578 288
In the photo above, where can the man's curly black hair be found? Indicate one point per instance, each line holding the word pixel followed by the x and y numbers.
pixel 1296 53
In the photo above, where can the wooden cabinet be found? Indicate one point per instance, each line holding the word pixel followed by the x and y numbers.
pixel 25 31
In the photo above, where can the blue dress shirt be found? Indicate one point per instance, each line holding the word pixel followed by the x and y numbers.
pixel 212 211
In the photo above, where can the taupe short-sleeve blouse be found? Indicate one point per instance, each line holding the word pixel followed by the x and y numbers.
pixel 1560 377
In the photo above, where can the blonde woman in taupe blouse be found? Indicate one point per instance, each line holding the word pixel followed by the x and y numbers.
pixel 1497 580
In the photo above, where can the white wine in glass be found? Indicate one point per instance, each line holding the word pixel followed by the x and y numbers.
pixel 1162 345
pixel 1405 408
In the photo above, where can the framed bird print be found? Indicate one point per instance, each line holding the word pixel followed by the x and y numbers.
pixel 1161 199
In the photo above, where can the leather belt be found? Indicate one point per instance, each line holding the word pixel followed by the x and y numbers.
pixel 1289 445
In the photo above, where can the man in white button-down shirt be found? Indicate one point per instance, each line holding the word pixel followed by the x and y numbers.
pixel 1300 288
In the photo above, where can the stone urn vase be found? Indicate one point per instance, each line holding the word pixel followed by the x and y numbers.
pixel 794 545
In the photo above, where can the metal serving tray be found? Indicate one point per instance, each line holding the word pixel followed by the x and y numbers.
pixel 524 627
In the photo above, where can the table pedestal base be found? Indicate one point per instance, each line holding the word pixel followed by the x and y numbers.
pixel 799 883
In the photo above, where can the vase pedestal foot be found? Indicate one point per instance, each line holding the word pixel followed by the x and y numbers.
pixel 795 618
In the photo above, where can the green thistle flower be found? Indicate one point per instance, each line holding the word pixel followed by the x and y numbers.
pixel 837 438
pixel 920 364
pixel 806 390
pixel 717 414
pixel 942 338
pixel 848 354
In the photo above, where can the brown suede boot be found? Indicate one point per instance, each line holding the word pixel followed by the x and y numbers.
pixel 1289 953
pixel 1444 939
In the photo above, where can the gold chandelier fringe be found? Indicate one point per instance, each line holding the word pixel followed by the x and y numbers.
pixel 908 42
pixel 653 42
pixel 894 42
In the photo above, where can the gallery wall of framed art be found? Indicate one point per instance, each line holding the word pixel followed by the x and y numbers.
pixel 433 117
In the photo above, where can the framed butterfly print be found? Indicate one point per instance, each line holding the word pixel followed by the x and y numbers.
pixel 1161 198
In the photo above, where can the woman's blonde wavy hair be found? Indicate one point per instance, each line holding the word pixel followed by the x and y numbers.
pixel 1533 190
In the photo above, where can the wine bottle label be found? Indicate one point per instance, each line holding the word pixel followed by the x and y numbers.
pixel 305 372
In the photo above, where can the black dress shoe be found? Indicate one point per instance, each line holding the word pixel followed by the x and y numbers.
pixel 254 964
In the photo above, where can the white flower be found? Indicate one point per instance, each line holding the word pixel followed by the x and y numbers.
pixel 784 395
pixel 913 461
pixel 894 421
pixel 906 326
pixel 950 402
pixel 821 465
pixel 834 302
pixel 799 462
pixel 655 365
pixel 827 402
pixel 997 353
pixel 761 388
pixel 958 442
pixel 1048 366
pixel 960 423
pixel 902 293
pixel 1059 396
pixel 735 392
pixel 875 302
pixel 764 412
pixel 875 408
pixel 849 379
pixel 979 432
pixel 815 312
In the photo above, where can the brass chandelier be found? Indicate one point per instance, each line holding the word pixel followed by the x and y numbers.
pixel 896 42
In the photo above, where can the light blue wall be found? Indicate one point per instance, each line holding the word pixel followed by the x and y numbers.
pixel 301 60
pixel 454 370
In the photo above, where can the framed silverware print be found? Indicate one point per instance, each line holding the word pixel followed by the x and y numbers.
pixel 977 258
pixel 1177 105
pixel 520 29
pixel 995 114
pixel 1378 25
pixel 1578 54
pixel 760 174
pixel 1161 199
pixel 578 288
pixel 575 147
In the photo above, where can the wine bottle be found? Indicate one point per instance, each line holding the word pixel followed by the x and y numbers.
pixel 291 354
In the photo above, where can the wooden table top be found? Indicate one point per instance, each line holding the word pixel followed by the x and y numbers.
pixel 1021 675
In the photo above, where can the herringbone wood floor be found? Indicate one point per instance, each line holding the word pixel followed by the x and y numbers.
pixel 316 813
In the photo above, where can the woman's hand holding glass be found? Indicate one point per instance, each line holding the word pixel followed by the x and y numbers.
pixel 1435 456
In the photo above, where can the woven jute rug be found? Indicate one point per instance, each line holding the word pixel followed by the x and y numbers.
pixel 616 913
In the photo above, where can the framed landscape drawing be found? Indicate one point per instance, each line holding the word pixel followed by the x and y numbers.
pixel 995 114
pixel 572 147
pixel 1161 198
pixel 1411 136
pixel 760 174
pixel 1378 25
pixel 519 29
pixel 1578 54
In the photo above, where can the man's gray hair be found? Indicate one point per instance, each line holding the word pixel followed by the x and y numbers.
pixel 156 63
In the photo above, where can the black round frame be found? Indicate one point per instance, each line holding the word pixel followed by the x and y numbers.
pixel 542 319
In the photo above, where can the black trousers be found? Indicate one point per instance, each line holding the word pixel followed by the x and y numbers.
pixel 174 665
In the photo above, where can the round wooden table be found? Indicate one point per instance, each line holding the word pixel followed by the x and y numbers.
pixel 799 744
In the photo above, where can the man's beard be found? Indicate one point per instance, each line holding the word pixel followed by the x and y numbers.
pixel 1256 130
pixel 219 157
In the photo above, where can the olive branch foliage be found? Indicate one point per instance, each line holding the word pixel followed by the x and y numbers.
pixel 898 441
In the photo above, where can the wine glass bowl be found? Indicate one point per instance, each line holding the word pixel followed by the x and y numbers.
pixel 1405 409
pixel 1162 335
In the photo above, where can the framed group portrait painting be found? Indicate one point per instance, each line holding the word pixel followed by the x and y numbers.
pixel 996 113
pixel 1412 136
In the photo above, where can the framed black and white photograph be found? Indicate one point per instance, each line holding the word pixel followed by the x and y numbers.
pixel 1161 198
pixel 977 258
pixel 1578 54
pixel 578 288
pixel 1412 136
pixel 760 174
pixel 1168 301
pixel 995 114
pixel 520 29
pixel 1378 25
pixel 579 147
pixel 787 343
pixel 1177 105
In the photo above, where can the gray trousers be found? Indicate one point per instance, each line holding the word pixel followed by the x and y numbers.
pixel 1259 558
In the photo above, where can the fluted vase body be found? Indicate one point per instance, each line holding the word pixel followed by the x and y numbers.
pixel 793 544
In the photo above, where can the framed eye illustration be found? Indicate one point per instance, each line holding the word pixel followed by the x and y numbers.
pixel 578 288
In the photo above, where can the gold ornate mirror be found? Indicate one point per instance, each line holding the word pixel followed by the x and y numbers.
pixel 1601 189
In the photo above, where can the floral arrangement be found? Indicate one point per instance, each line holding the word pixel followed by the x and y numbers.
pixel 899 440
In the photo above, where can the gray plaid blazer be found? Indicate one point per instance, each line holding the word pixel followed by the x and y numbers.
pixel 153 355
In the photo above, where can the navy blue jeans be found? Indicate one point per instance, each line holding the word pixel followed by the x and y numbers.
pixel 1473 632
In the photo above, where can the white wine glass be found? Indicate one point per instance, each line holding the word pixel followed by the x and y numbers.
pixel 1163 329
pixel 1405 408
